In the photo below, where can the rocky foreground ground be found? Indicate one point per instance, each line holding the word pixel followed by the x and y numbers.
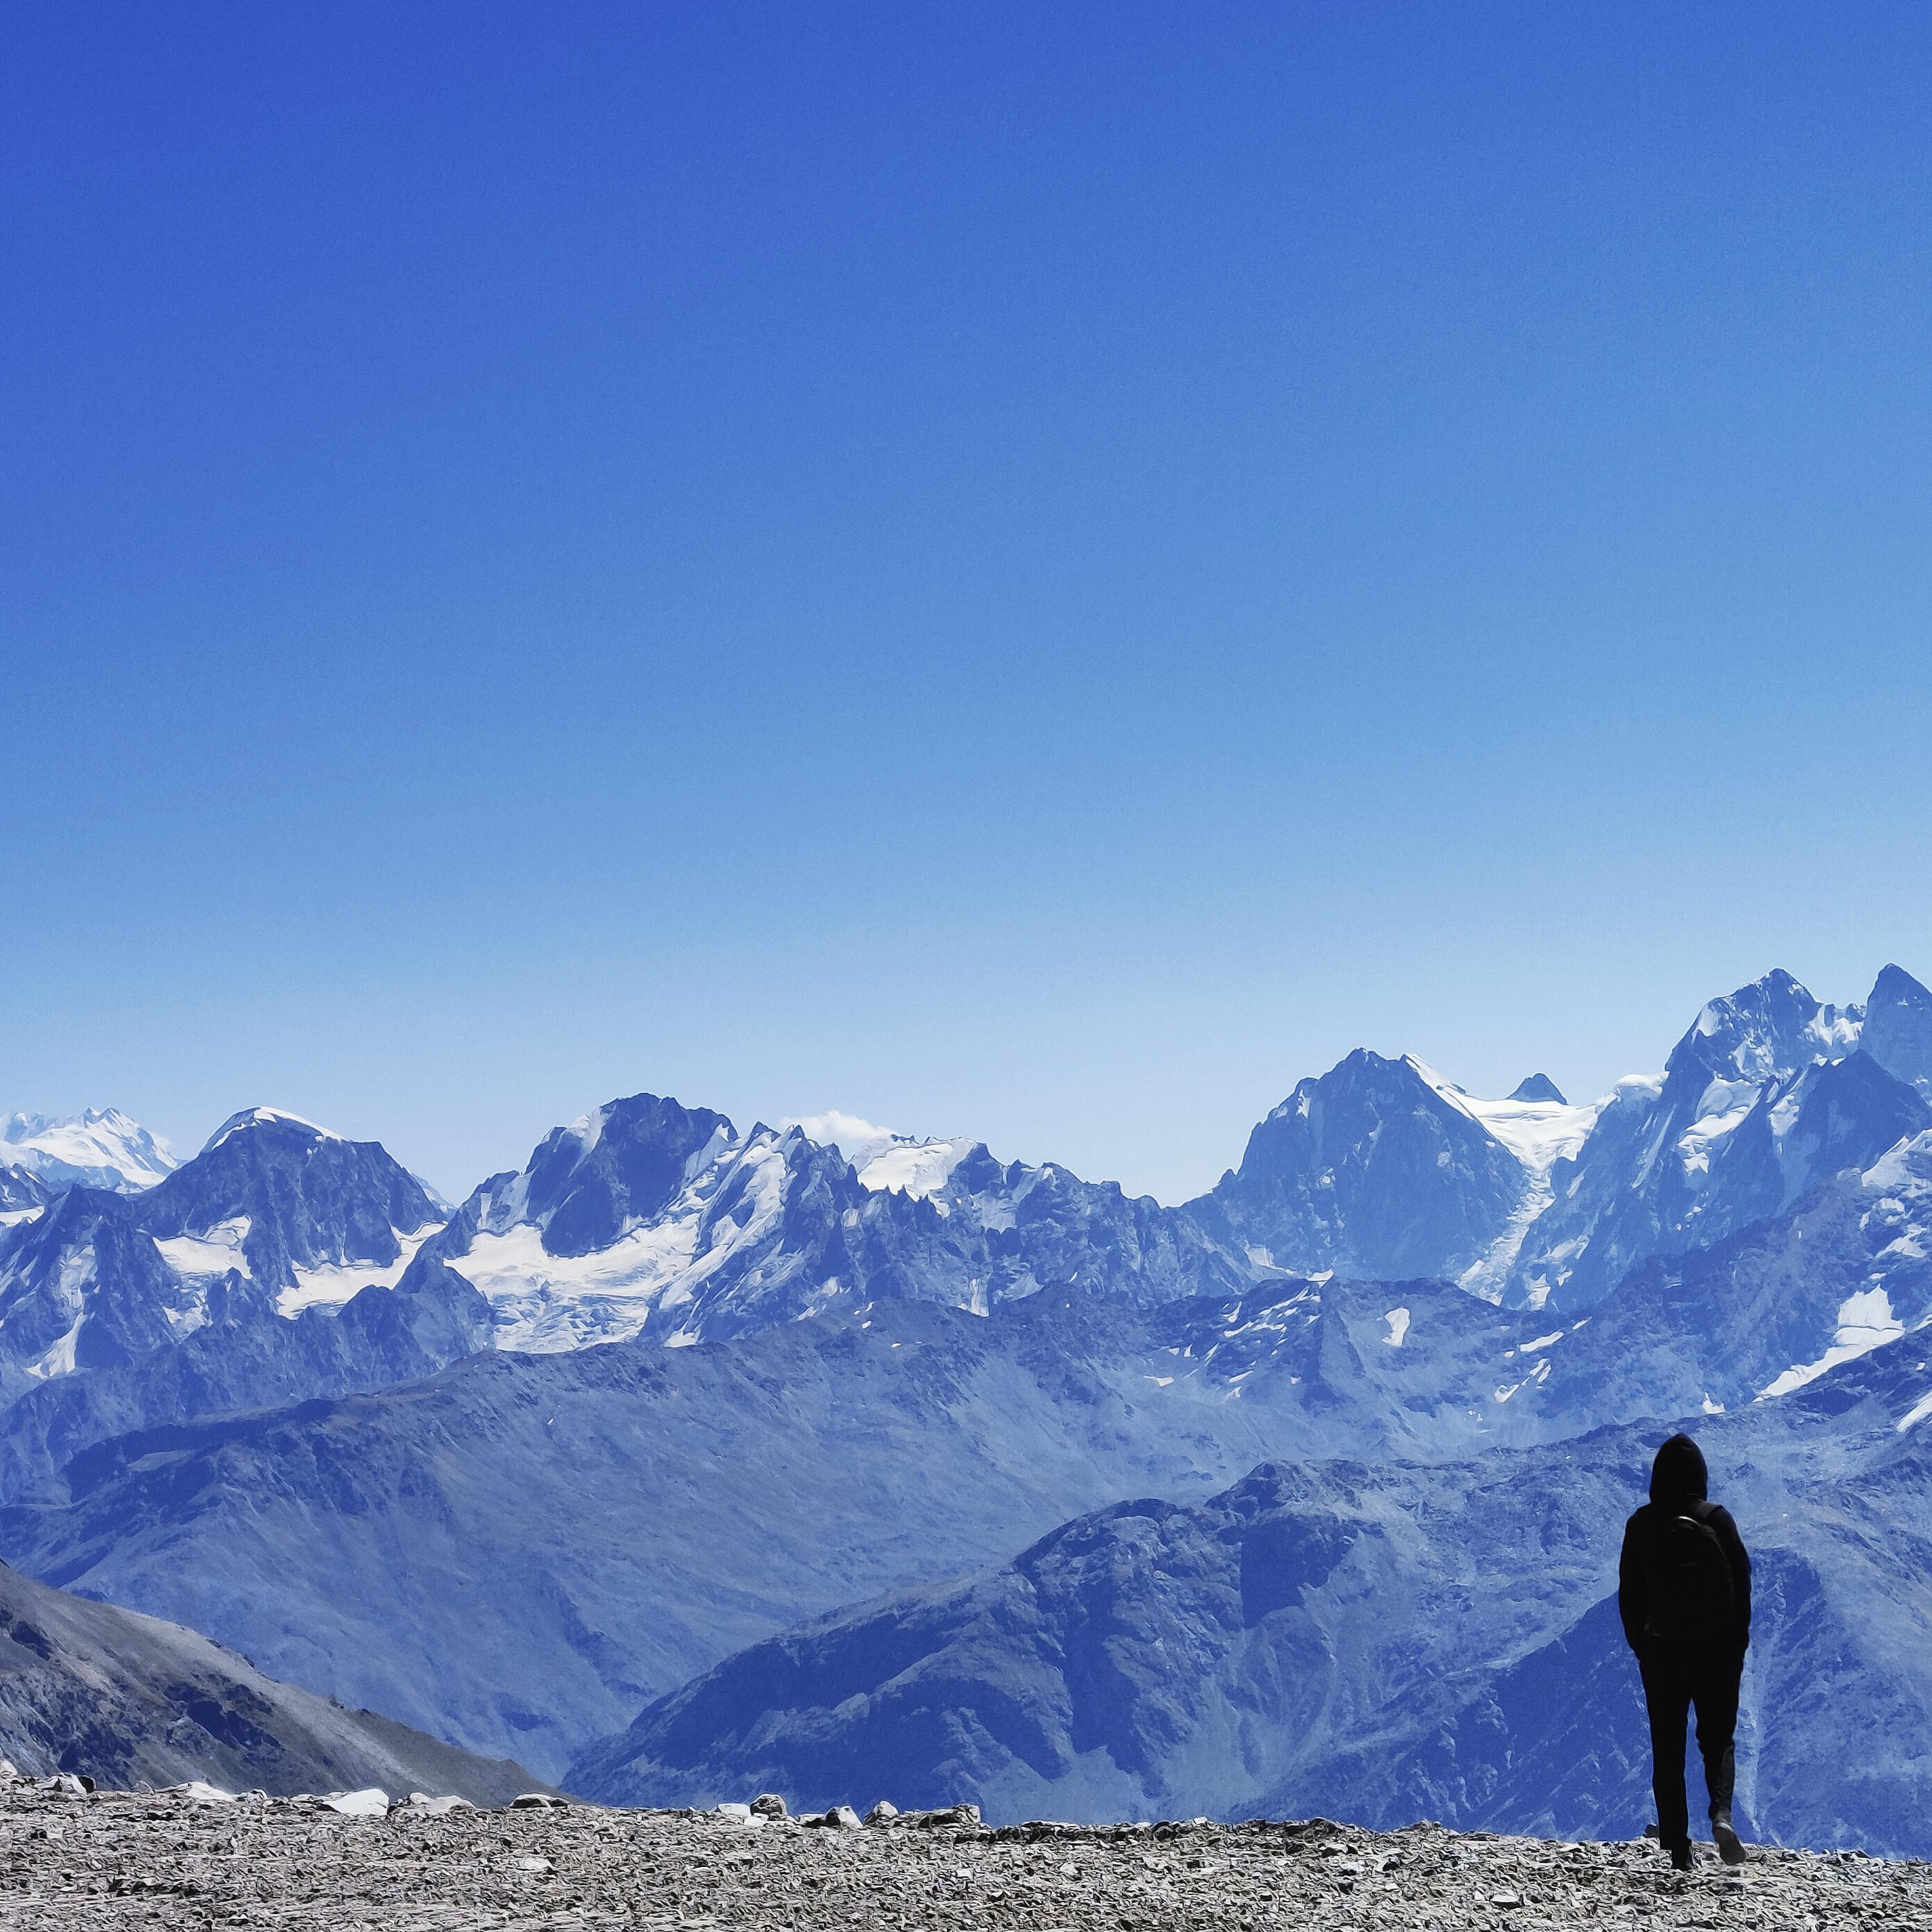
pixel 71 1859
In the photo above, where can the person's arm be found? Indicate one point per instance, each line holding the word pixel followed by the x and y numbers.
pixel 1632 1603
pixel 1741 1577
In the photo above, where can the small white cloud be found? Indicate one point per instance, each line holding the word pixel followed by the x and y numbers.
pixel 857 1140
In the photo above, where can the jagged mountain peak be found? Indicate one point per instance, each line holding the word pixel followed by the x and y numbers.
pixel 1768 1092
pixel 297 1209
pixel 1379 1167
pixel 1894 983
pixel 587 1184
pixel 22 1193
pixel 1897 1030
pixel 1765 1031
pixel 1539 1087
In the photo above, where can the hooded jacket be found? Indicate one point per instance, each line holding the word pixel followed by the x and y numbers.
pixel 1678 1478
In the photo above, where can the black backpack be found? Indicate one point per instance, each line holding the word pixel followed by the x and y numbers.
pixel 1693 1598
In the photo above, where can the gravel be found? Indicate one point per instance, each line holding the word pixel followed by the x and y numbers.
pixel 69 1859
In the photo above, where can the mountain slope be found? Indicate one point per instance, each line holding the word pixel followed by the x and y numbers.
pixel 646 1217
pixel 243 1278
pixel 86 1687
pixel 1898 1028
pixel 639 1512
pixel 1381 1642
pixel 298 1211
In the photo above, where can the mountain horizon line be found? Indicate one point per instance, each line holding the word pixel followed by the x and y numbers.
pixel 857 1139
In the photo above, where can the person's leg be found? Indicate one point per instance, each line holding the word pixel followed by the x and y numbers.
pixel 1716 1694
pixel 1666 1697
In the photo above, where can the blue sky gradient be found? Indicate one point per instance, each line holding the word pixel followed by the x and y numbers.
pixel 1039 571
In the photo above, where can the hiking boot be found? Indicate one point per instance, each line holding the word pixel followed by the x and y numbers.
pixel 1730 1846
pixel 1681 1856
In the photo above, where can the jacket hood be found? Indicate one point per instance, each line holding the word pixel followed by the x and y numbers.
pixel 1679 1472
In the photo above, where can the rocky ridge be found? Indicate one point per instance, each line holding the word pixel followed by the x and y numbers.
pixel 89 1689
pixel 73 1861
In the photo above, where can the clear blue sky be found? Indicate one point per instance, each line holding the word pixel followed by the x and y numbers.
pixel 1037 570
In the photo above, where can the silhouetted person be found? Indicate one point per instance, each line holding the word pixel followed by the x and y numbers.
pixel 1683 1593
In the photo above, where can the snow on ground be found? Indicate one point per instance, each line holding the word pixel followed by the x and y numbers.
pixel 1538 1132
pixel 916 1168
pixel 546 1303
pixel 58 1359
pixel 885 1161
pixel 259 1116
pixel 1865 1322
pixel 214 1252
pixel 1397 1319
pixel 1903 1171
pixel 1722 1108
pixel 332 1286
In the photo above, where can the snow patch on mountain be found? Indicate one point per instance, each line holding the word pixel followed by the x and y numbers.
pixel 101 1148
pixel 334 1285
pixel 920 1168
pixel 212 1253
pixel 1865 1322
pixel 262 1116
pixel 1916 1414
pixel 1539 1132
pixel 1768 1093
pixel 886 1161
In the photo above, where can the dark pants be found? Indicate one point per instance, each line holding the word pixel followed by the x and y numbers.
pixel 1672 1683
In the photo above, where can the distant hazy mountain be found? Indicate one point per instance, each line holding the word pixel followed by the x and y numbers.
pixel 522 1549
pixel 100 1148
pixel 647 1217
pixel 635 1512
pixel 1385 1168
pixel 22 1194
pixel 237 1280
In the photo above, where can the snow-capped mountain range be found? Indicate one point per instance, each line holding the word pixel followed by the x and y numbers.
pixel 645 1216
pixel 675 1384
